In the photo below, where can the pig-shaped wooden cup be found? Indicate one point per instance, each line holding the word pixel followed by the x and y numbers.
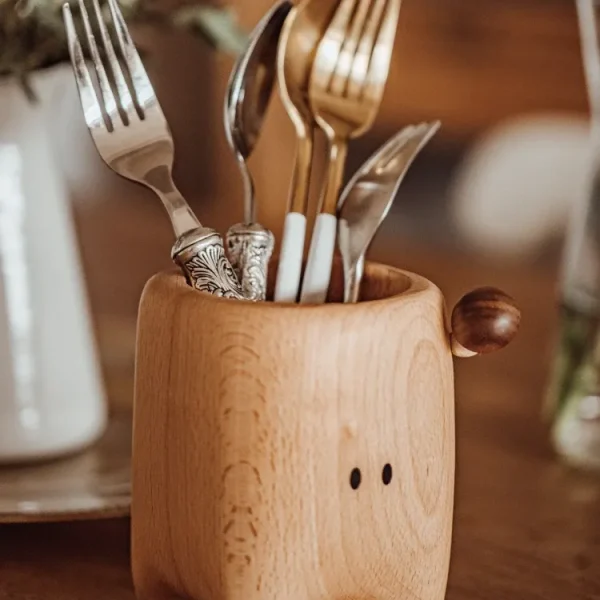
pixel 286 452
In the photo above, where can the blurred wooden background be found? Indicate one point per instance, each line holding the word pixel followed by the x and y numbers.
pixel 472 63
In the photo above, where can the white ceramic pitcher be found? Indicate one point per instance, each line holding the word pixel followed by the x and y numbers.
pixel 51 394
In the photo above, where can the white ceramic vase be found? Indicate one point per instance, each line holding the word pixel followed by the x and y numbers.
pixel 51 393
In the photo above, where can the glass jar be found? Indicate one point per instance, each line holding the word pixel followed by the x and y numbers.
pixel 573 400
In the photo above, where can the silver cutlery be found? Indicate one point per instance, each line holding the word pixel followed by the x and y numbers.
pixel 368 197
pixel 249 244
pixel 133 138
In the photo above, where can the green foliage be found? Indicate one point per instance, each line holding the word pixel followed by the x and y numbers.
pixel 32 32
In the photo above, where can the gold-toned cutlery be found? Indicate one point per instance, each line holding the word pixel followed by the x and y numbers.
pixel 133 138
pixel 249 244
pixel 368 197
pixel 299 40
pixel 346 87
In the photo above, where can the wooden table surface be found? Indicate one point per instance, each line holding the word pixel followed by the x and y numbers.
pixel 525 526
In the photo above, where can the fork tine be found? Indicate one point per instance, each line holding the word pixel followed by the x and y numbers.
pixel 360 68
pixel 330 47
pixel 110 103
pixel 343 68
pixel 92 108
pixel 381 57
pixel 124 95
pixel 142 87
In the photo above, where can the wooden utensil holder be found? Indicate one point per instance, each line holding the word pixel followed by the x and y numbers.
pixel 286 452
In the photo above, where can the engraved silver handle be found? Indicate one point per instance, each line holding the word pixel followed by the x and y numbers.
pixel 250 248
pixel 201 256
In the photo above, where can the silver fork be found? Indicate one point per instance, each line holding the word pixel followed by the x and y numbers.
pixel 133 138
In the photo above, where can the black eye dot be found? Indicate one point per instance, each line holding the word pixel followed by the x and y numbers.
pixel 355 479
pixel 386 475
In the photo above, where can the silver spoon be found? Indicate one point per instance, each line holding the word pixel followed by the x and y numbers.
pixel 368 197
pixel 250 87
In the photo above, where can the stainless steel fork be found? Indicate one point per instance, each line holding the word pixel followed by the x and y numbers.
pixel 133 138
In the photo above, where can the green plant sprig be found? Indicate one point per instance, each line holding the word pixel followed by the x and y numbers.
pixel 32 34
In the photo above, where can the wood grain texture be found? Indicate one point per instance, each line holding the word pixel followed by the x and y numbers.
pixel 250 425
pixel 525 527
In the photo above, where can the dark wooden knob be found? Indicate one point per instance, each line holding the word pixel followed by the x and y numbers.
pixel 485 320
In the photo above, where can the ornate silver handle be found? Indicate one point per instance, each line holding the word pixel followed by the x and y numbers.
pixel 250 248
pixel 201 256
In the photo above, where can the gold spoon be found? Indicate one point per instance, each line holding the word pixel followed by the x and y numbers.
pixel 299 40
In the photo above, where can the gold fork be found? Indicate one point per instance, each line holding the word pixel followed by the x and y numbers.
pixel 346 87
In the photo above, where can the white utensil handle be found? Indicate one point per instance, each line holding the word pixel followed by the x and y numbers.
pixel 320 260
pixel 289 271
